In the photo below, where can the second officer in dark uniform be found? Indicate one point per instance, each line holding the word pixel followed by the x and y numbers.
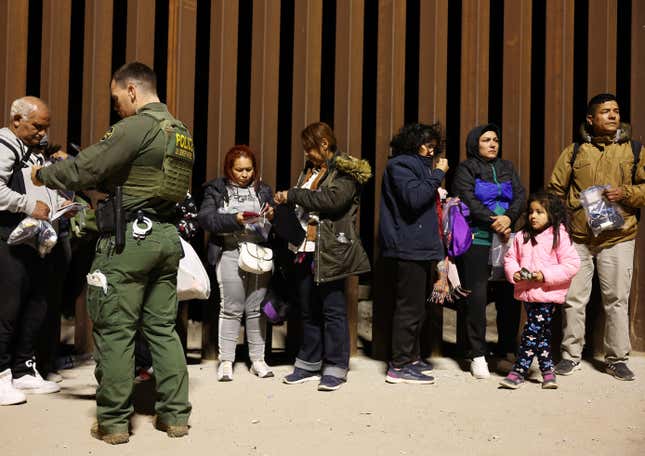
pixel 133 280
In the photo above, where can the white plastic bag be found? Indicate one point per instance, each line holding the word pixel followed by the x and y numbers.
pixel 192 279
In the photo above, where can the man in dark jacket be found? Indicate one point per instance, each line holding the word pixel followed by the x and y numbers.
pixel 409 233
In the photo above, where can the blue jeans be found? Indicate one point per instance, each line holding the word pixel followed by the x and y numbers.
pixel 325 331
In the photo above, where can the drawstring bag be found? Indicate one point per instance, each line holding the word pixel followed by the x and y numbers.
pixel 255 258
pixel 456 232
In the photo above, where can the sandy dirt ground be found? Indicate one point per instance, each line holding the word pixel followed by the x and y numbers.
pixel 590 414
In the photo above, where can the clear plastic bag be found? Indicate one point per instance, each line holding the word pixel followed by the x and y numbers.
pixel 496 256
pixel 601 213
pixel 40 234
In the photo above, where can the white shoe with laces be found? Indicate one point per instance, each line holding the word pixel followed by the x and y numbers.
pixel 261 369
pixel 225 371
pixel 9 395
pixel 479 368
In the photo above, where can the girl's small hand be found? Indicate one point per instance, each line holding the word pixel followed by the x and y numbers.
pixel 240 218
pixel 517 277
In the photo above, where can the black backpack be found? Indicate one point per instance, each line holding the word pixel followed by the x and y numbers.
pixel 9 220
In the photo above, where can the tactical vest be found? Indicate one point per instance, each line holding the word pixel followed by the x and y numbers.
pixel 172 181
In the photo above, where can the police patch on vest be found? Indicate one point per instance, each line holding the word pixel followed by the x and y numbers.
pixel 184 146
pixel 108 134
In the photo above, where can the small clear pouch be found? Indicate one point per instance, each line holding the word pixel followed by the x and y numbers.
pixel 601 213
pixel 496 254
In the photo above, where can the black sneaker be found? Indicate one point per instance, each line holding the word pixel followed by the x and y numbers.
pixel 330 383
pixel 620 371
pixel 422 366
pixel 567 367
pixel 300 376
pixel 407 374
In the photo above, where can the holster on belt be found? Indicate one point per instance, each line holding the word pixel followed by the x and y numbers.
pixel 110 218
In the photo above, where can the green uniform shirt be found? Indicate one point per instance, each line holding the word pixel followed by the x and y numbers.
pixel 134 141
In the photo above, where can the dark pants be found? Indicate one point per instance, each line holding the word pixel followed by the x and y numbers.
pixel 474 272
pixel 414 282
pixel 48 342
pixel 22 307
pixel 536 338
pixel 325 331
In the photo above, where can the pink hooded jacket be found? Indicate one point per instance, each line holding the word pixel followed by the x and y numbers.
pixel 558 266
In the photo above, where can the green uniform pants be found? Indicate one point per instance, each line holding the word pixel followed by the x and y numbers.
pixel 141 293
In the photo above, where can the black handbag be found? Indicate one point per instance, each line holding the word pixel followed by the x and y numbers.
pixel 9 220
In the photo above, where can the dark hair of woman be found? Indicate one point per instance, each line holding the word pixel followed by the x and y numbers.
pixel 233 154
pixel 313 135
pixel 557 213
pixel 412 136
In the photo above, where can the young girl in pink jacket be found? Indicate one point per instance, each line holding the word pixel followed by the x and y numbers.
pixel 541 264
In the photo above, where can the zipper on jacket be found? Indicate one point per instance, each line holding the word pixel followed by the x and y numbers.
pixel 317 253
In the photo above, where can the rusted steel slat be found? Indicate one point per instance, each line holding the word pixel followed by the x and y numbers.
pixel 140 44
pixel 516 118
pixel 14 16
pixel 475 31
pixel 265 63
pixel 54 76
pixel 433 60
pixel 307 48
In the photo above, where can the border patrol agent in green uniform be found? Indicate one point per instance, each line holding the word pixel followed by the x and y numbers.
pixel 150 155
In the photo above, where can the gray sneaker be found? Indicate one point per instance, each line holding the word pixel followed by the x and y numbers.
pixel 567 367
pixel 620 371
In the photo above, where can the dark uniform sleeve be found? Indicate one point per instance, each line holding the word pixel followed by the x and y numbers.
pixel 118 147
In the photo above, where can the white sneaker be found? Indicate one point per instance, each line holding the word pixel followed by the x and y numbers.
pixel 8 394
pixel 225 371
pixel 35 384
pixel 261 369
pixel 479 368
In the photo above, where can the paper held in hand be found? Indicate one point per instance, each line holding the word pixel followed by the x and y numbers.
pixel 63 210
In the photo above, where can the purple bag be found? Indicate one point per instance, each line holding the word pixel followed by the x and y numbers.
pixel 457 234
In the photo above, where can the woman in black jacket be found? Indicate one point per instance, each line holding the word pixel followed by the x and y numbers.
pixel 491 189
pixel 326 202
pixel 227 211
pixel 409 233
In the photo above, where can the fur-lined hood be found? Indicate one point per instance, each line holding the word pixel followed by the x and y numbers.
pixel 357 168
pixel 623 134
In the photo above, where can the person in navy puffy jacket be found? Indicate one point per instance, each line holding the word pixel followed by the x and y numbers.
pixel 409 235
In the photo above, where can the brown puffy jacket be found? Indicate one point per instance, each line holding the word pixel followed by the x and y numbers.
pixel 601 161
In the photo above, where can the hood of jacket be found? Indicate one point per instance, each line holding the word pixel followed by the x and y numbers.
pixel 472 140
pixel 623 134
pixel 359 169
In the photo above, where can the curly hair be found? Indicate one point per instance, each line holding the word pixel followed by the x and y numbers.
pixel 557 213
pixel 412 136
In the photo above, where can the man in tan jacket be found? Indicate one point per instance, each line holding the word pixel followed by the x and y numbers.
pixel 607 157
